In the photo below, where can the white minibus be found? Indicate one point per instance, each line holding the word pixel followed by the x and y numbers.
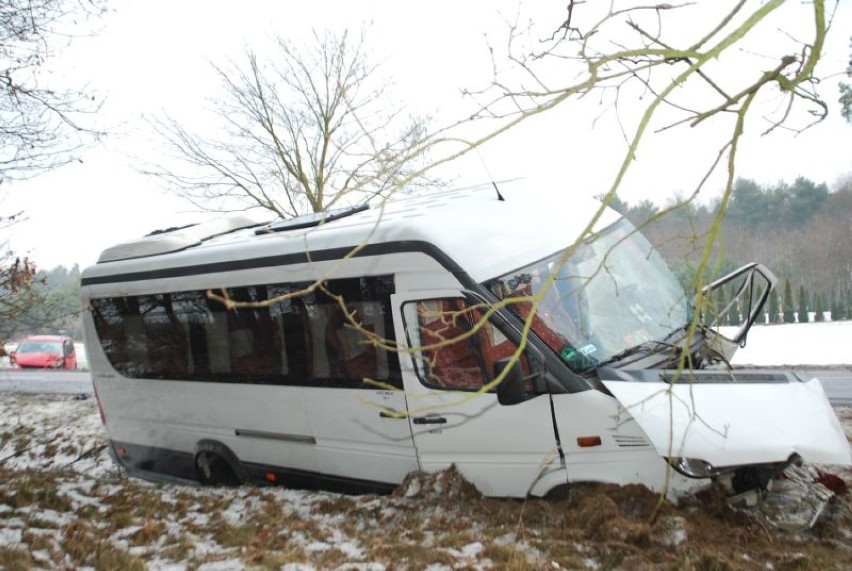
pixel 486 330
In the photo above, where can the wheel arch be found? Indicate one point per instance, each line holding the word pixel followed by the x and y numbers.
pixel 216 464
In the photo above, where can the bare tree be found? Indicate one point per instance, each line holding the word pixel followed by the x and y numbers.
pixel 17 283
pixel 303 130
pixel 40 124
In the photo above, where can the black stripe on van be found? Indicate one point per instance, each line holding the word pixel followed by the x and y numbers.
pixel 331 254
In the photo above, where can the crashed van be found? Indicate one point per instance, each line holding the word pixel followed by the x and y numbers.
pixel 532 338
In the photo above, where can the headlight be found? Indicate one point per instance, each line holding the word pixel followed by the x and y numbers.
pixel 693 467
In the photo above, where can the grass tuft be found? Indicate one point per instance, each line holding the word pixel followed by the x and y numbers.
pixel 15 559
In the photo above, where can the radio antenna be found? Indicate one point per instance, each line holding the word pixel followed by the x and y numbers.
pixel 487 172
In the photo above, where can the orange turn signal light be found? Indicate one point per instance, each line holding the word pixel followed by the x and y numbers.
pixel 588 441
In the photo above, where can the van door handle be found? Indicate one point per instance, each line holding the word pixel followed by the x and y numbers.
pixel 429 419
pixel 392 414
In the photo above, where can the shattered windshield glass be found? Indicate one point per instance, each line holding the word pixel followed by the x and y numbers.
pixel 613 293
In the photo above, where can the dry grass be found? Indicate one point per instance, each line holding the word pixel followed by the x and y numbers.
pixel 53 518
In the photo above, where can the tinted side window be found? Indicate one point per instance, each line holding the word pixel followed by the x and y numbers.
pixel 276 334
pixel 455 348
pixel 345 318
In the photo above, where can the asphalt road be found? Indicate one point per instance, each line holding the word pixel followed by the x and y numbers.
pixel 47 381
pixel 837 382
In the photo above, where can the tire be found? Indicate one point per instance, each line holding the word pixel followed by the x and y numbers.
pixel 216 465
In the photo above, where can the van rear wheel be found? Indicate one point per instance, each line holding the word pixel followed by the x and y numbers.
pixel 217 465
pixel 214 470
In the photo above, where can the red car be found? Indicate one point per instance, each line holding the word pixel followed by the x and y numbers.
pixel 45 352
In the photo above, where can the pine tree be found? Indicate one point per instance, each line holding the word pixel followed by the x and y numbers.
pixel 717 302
pixel 848 298
pixel 842 302
pixel 818 307
pixel 789 313
pixel 803 305
pixel 773 307
pixel 835 308
pixel 723 298
pixel 733 316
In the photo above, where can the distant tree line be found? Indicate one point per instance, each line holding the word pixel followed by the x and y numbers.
pixel 846 93
pixel 57 308
pixel 801 231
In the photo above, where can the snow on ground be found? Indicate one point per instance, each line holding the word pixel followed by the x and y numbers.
pixel 816 344
pixel 64 504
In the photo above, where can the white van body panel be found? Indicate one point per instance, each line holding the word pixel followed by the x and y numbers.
pixel 135 413
pixel 502 453
pixel 318 430
pixel 730 424
pixel 625 456
pixel 354 439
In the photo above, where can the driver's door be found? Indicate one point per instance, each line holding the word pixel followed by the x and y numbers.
pixel 447 364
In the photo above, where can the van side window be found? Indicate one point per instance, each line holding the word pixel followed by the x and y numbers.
pixel 454 347
pixel 319 338
pixel 342 320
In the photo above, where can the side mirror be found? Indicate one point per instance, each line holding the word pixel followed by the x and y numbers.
pixel 749 287
pixel 511 390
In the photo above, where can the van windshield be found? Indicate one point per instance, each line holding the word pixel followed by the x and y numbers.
pixel 613 292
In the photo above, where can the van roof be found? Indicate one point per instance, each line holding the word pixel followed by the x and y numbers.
pixel 483 234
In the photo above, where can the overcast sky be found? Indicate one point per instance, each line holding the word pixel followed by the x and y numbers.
pixel 152 56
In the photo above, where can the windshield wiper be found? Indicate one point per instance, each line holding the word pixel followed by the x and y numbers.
pixel 648 347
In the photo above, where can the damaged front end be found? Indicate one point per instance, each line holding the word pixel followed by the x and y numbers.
pixel 756 433
pixel 791 496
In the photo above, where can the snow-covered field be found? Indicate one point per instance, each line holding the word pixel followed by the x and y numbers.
pixel 815 344
pixel 63 504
